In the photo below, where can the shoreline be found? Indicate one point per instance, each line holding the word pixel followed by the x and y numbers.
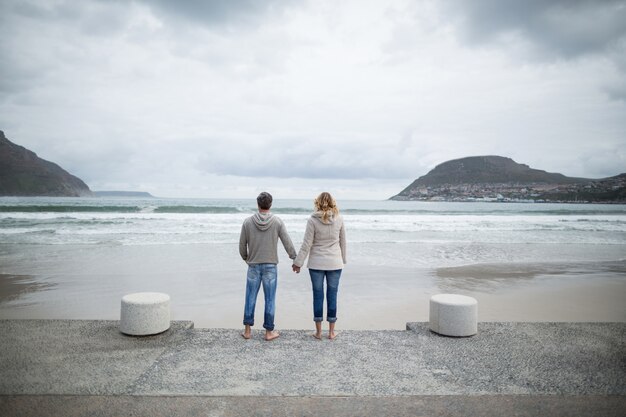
pixel 529 292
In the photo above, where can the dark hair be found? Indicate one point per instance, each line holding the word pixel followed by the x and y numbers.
pixel 264 200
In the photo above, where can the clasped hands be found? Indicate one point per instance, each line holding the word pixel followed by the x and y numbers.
pixel 295 268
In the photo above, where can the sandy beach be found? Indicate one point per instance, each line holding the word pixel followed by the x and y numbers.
pixel 370 297
pixel 62 259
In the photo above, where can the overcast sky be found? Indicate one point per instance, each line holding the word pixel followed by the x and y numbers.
pixel 231 97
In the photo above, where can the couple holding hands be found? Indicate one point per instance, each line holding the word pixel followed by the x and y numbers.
pixel 325 245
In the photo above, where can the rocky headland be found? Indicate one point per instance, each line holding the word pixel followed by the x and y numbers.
pixel 23 173
pixel 497 178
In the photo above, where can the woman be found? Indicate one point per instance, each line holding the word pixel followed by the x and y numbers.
pixel 325 244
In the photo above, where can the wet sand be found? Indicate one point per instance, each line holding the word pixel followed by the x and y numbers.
pixel 369 297
pixel 542 292
pixel 12 287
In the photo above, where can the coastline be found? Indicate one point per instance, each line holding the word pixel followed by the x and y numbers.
pixel 370 297
pixel 542 263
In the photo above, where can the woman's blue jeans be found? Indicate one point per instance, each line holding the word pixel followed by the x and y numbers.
pixel 332 285
pixel 258 274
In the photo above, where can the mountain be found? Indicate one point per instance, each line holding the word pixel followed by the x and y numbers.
pixel 499 178
pixel 23 173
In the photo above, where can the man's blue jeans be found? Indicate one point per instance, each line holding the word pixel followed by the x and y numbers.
pixel 267 275
pixel 332 285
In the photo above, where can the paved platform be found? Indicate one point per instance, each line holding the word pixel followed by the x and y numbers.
pixel 409 406
pixel 527 368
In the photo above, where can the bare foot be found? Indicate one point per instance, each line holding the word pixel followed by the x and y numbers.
pixel 318 336
pixel 332 335
pixel 271 335
pixel 247 332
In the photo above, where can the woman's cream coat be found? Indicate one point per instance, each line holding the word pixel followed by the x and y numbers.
pixel 324 243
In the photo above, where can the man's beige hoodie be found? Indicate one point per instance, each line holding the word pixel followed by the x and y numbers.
pixel 324 243
pixel 259 238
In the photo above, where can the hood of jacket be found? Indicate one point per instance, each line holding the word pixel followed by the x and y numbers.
pixel 318 215
pixel 263 221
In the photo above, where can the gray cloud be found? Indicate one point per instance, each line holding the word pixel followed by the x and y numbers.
pixel 617 91
pixel 603 162
pixel 91 18
pixel 223 94
pixel 306 157
pixel 558 28
pixel 547 31
pixel 218 13
pixel 44 41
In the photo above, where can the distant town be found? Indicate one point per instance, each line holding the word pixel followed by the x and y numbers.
pixel 592 192
pixel 495 178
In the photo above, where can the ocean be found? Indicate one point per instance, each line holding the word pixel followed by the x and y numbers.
pixel 76 257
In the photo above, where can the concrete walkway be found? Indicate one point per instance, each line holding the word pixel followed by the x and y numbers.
pixel 89 368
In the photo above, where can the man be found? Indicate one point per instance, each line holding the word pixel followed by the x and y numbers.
pixel 257 246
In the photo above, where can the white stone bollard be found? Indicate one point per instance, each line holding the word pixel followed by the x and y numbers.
pixel 145 313
pixel 453 315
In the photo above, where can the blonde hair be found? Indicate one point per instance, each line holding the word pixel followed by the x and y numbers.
pixel 327 205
